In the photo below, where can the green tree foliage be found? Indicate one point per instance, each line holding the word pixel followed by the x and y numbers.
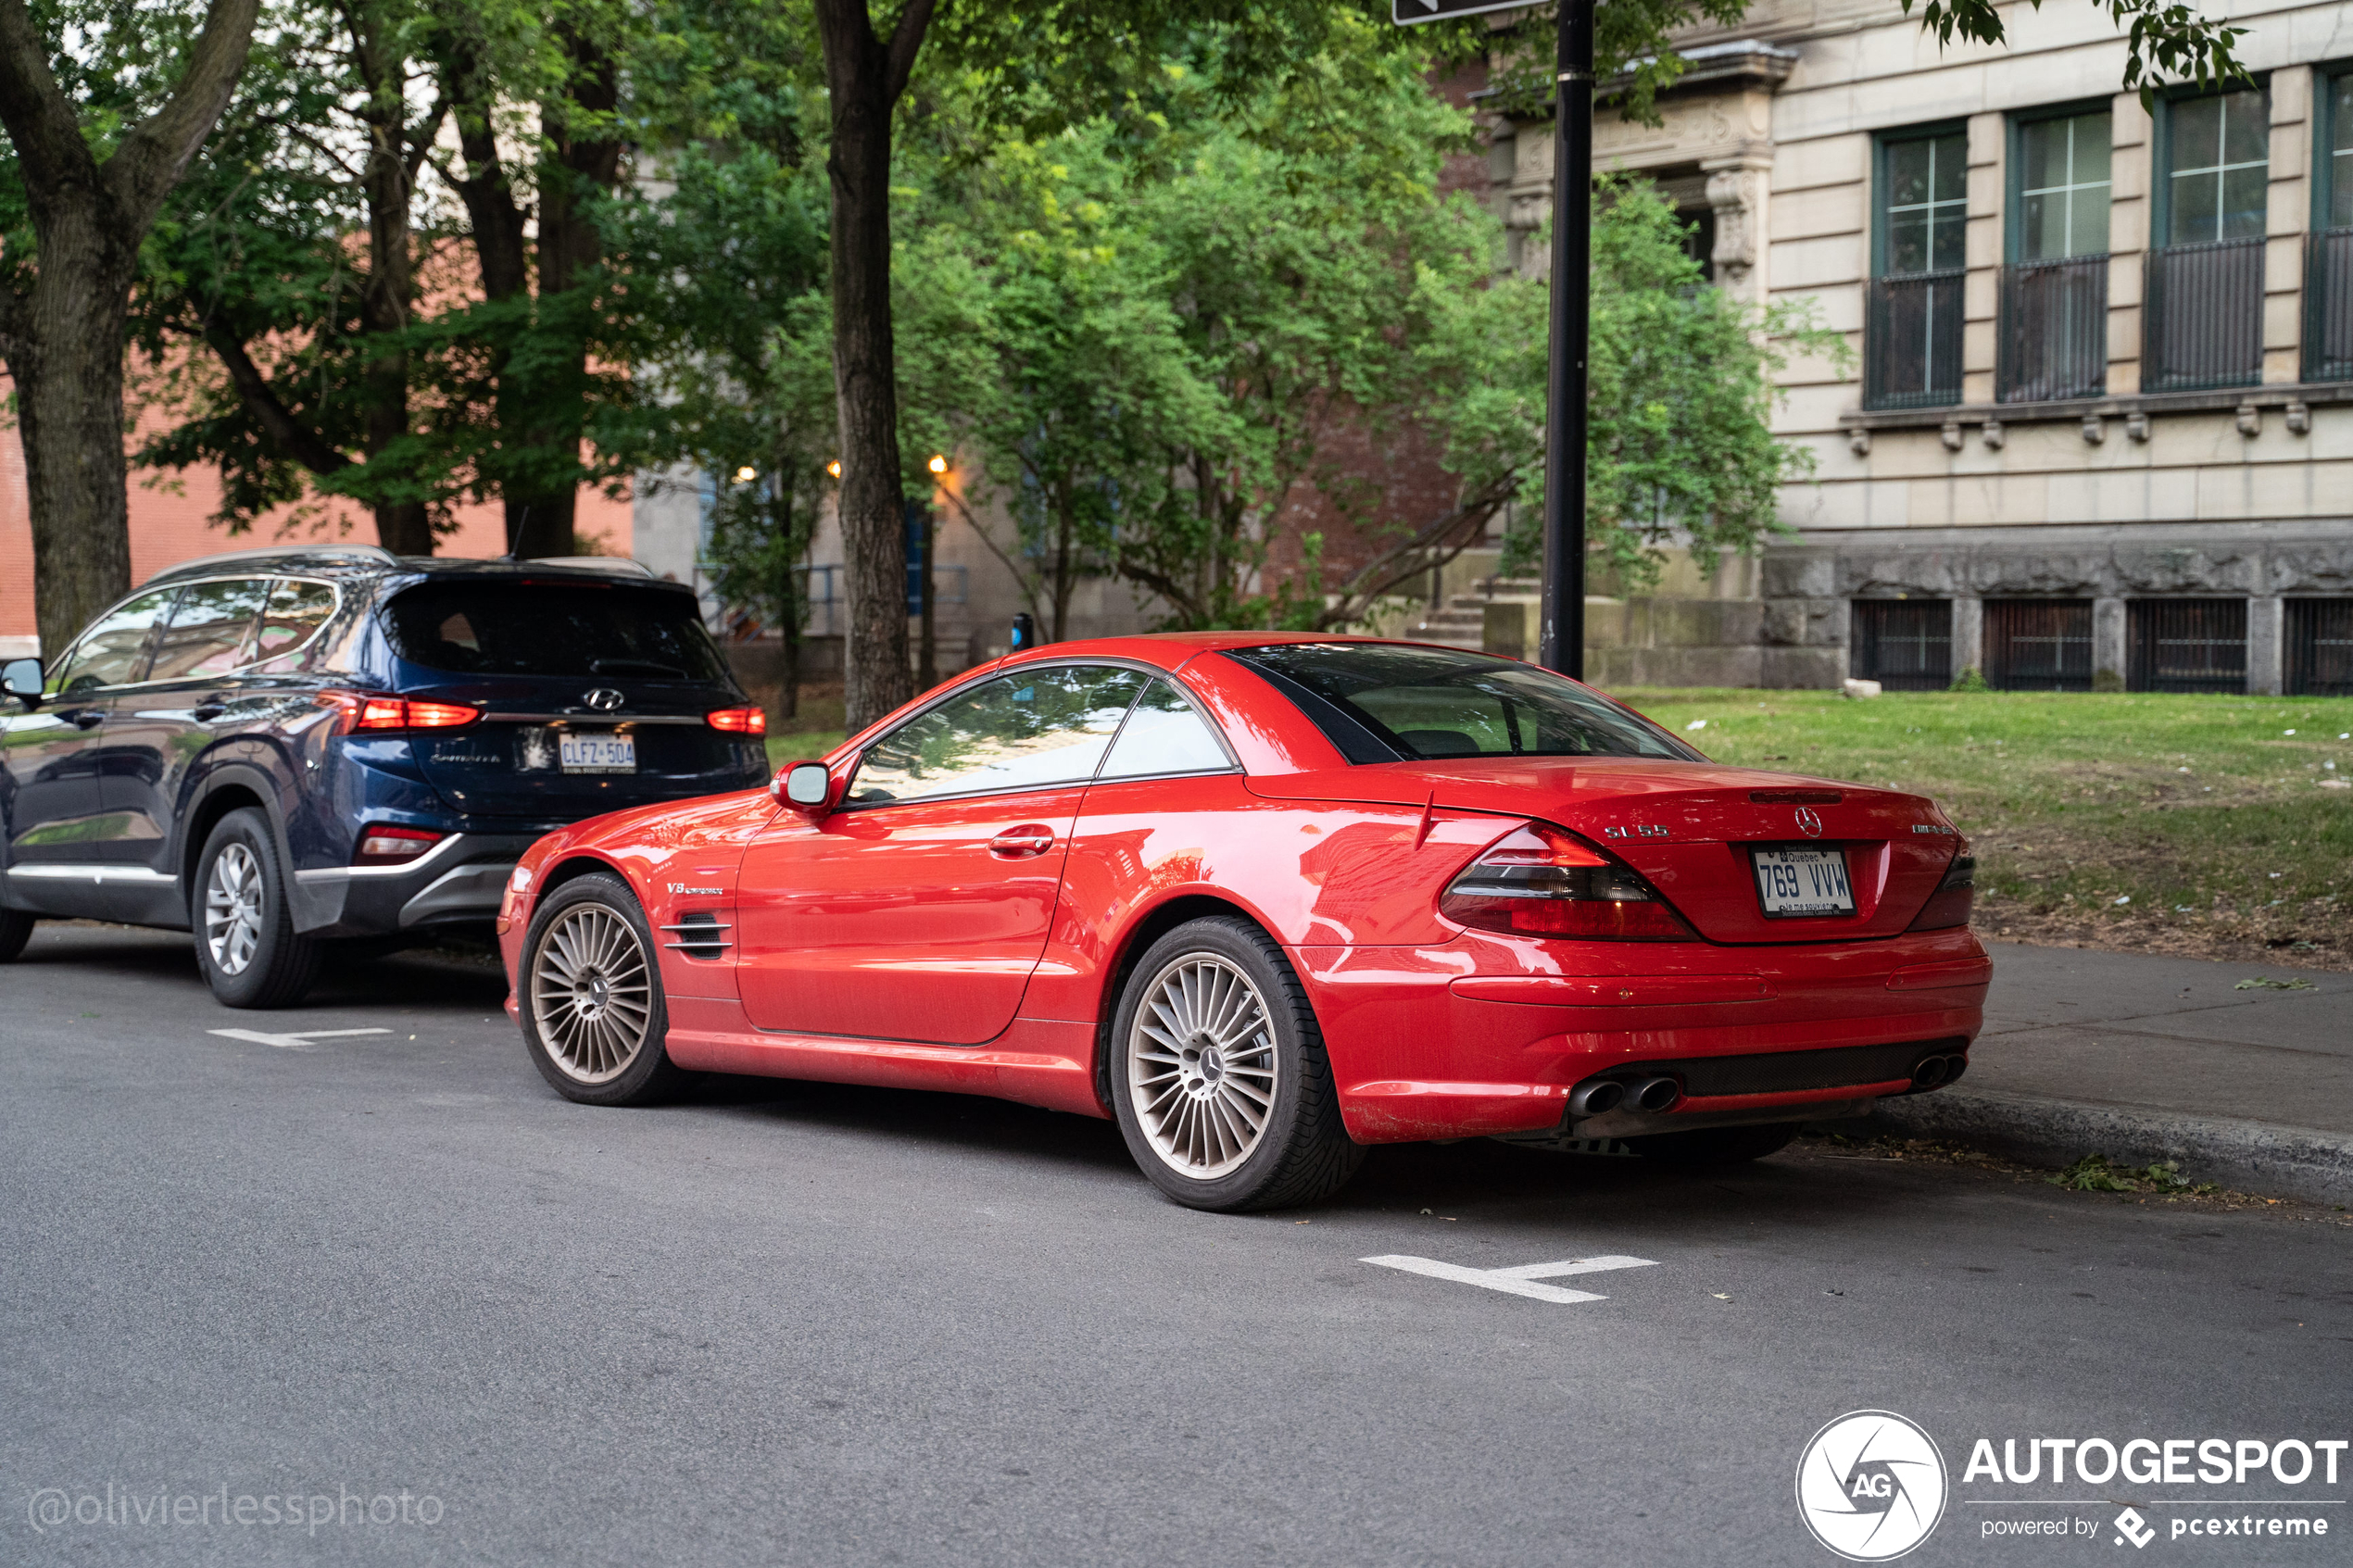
pixel 1679 441
pixel 1146 328
pixel 1037 334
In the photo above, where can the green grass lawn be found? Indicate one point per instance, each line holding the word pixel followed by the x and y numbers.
pixel 2186 823
pixel 802 745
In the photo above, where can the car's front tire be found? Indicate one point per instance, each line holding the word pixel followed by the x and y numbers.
pixel 247 944
pixel 593 1016
pixel 15 930
pixel 1219 1077
pixel 1715 1146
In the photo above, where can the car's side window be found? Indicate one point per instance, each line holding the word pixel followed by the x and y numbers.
pixel 1028 730
pixel 290 620
pixel 211 630
pixel 1165 734
pixel 113 652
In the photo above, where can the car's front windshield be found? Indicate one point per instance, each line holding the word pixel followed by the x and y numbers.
pixel 1387 702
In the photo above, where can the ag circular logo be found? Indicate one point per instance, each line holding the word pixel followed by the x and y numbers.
pixel 1870 1486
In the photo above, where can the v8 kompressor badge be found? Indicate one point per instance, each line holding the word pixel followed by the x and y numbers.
pixel 1870 1486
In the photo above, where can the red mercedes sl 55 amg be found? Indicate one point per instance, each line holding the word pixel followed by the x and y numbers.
pixel 1267 900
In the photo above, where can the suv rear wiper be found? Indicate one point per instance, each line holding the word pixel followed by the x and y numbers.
pixel 635 666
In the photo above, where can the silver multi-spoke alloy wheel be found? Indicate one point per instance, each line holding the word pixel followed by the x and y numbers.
pixel 232 908
pixel 591 993
pixel 1201 1066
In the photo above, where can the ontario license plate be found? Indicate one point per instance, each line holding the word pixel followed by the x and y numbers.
pixel 1804 881
pixel 598 753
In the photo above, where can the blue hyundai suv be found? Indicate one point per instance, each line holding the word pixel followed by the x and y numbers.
pixel 285 749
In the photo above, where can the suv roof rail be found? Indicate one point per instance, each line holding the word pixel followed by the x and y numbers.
pixel 625 565
pixel 283 555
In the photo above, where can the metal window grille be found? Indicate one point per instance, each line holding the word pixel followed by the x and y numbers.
pixel 2319 647
pixel 2186 646
pixel 2204 320
pixel 2038 645
pixel 2053 341
pixel 1905 645
pixel 1912 340
pixel 2328 305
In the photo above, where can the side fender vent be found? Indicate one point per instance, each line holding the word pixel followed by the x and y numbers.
pixel 702 934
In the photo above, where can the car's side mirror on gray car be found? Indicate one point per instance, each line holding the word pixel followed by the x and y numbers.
pixel 20 678
pixel 805 786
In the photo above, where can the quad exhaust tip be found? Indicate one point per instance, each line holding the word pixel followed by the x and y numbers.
pixel 1935 1071
pixel 1655 1094
pixel 1597 1096
pixel 1594 1098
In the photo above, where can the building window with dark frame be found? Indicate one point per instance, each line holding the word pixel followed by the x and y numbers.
pixel 2319 647
pixel 2038 645
pixel 2185 645
pixel 2203 320
pixel 1905 645
pixel 2054 294
pixel 2328 250
pixel 1912 326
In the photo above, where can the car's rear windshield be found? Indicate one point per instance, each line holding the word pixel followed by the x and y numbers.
pixel 554 629
pixel 1389 702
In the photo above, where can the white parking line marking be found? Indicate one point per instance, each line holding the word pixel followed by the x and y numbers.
pixel 292 1042
pixel 1520 1280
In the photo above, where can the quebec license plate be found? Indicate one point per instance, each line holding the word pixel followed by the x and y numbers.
pixel 1804 881
pixel 592 753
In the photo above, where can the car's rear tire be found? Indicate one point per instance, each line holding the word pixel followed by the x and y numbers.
pixel 593 1017
pixel 1715 1146
pixel 1219 1077
pixel 247 944
pixel 15 930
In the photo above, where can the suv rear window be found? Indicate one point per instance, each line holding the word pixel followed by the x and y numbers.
pixel 1388 702
pixel 554 629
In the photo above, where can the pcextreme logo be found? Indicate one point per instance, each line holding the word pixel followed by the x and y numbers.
pixel 1870 1486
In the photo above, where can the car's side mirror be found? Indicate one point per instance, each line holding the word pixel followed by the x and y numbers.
pixel 805 786
pixel 20 678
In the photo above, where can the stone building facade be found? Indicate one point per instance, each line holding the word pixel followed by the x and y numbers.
pixel 2097 427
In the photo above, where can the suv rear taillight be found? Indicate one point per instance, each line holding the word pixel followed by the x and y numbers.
pixel 365 711
pixel 1955 896
pixel 1545 881
pixel 393 846
pixel 740 720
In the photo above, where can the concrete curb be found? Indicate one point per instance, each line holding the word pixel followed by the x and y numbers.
pixel 2255 1157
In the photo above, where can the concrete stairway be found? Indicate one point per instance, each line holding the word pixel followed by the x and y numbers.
pixel 1462 623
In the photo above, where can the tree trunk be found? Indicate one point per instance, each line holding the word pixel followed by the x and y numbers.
pixel 402 527
pixel 64 339
pixel 539 516
pixel 864 78
pixel 67 360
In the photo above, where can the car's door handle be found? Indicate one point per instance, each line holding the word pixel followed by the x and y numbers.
pixel 1030 838
pixel 88 718
pixel 208 711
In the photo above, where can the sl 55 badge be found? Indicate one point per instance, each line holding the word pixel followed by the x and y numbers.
pixel 1640 830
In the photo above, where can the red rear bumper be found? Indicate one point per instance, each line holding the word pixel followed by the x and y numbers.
pixel 1489 1034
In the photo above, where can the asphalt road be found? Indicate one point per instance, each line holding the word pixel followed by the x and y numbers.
pixel 794 1324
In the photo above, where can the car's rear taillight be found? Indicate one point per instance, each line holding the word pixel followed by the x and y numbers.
pixel 1544 882
pixel 740 720
pixel 393 846
pixel 1950 904
pixel 365 711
